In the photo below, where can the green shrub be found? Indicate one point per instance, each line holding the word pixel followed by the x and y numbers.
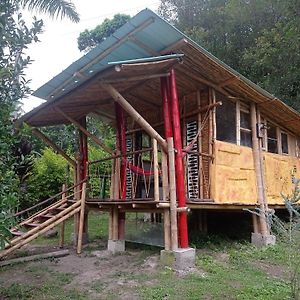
pixel 48 175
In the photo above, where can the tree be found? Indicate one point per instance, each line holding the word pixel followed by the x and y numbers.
pixel 88 39
pixel 255 37
pixel 53 8
pixel 15 36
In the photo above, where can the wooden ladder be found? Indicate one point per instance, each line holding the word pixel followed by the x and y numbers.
pixel 46 219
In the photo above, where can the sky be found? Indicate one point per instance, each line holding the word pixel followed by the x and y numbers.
pixel 57 48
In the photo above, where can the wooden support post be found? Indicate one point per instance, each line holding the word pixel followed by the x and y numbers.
pixel 200 166
pixel 115 223
pixel 165 177
pixel 43 137
pixel 167 229
pixel 180 182
pixel 173 202
pixel 81 218
pixel 155 170
pixel 110 225
pixel 134 114
pixel 255 222
pixel 62 226
pixel 258 172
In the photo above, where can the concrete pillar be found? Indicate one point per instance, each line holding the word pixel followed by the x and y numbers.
pixel 179 259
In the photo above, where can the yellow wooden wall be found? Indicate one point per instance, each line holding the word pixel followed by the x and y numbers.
pixel 279 171
pixel 233 176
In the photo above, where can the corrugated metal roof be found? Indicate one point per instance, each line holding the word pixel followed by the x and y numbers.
pixel 157 35
pixel 154 35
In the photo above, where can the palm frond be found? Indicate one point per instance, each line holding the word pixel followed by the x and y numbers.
pixel 53 8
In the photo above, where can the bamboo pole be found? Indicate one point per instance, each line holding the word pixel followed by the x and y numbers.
pixel 134 114
pixel 62 226
pixel 167 229
pixel 115 224
pixel 258 172
pixel 43 137
pixel 81 219
pixel 165 179
pixel 34 236
pixel 82 129
pixel 110 225
pixel 173 204
pixel 155 170
pixel 200 165
pixel 262 162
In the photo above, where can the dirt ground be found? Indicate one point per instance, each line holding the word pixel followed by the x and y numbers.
pixel 95 274
pixel 137 274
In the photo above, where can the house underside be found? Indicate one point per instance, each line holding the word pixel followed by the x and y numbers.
pixel 192 134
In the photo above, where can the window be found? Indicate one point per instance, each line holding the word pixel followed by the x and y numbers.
pixel 272 138
pixel 245 126
pixel 226 121
pixel 284 143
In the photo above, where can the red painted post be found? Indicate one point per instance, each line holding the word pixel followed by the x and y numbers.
pixel 180 181
pixel 121 145
pixel 166 107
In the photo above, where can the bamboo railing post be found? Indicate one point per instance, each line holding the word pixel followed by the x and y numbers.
pixel 258 172
pixel 81 218
pixel 167 229
pixel 62 226
pixel 155 170
pixel 173 202
pixel 165 177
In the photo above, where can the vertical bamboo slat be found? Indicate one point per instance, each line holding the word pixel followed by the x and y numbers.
pixel 173 202
pixel 165 177
pixel 155 170
pixel 81 218
pixel 167 229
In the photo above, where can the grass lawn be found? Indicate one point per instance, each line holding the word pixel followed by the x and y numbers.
pixel 225 269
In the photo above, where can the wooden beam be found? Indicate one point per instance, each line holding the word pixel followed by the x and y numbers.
pixel 227 81
pixel 81 128
pixel 56 148
pixel 174 46
pixel 135 115
pixel 134 78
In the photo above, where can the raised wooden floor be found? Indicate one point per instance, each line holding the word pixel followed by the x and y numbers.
pixel 150 205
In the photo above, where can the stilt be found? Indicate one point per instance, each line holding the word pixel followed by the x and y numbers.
pixel 263 237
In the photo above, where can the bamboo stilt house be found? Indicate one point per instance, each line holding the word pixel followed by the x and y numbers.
pixel 192 133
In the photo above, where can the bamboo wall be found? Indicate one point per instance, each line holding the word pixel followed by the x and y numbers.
pixel 233 178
